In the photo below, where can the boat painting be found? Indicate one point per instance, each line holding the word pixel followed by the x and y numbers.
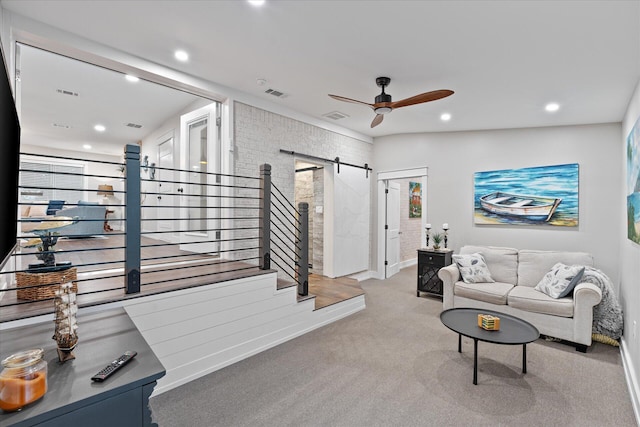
pixel 535 196
pixel 532 207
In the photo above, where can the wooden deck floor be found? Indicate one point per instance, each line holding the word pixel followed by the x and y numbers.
pixel 103 281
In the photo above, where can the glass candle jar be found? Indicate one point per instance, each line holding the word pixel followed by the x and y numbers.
pixel 23 379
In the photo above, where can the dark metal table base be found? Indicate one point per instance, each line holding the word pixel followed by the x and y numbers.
pixel 475 357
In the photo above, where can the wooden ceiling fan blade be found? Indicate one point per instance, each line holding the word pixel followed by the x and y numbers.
pixel 354 101
pixel 377 120
pixel 423 97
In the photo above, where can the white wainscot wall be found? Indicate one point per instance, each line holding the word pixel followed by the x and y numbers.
pixel 197 331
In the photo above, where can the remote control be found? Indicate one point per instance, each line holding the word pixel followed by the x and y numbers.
pixel 108 370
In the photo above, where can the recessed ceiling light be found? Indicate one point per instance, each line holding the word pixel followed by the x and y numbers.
pixel 131 78
pixel 181 55
pixel 86 147
pixel 100 128
pixel 445 117
pixel 256 3
pixel 551 107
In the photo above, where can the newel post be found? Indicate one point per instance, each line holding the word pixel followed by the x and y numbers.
pixel 303 251
pixel 264 233
pixel 132 219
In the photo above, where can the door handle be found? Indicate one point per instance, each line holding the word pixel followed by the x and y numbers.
pixel 180 190
pixel 159 197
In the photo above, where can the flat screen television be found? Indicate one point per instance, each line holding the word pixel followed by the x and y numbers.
pixel 9 166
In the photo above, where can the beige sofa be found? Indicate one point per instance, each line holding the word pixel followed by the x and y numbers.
pixel 516 273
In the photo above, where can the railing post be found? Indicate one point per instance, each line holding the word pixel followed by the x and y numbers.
pixel 132 219
pixel 264 234
pixel 303 250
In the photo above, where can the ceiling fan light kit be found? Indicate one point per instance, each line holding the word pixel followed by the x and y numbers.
pixel 384 104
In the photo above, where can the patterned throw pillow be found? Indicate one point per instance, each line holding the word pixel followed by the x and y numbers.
pixel 560 280
pixel 473 268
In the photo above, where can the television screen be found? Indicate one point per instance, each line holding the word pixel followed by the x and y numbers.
pixel 9 165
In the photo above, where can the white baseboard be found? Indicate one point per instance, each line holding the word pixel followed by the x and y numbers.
pixel 364 275
pixel 408 263
pixel 632 378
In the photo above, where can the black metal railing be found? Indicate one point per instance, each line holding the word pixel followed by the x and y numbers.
pixel 156 229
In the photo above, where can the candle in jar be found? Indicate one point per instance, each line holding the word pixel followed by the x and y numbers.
pixel 428 225
pixel 445 226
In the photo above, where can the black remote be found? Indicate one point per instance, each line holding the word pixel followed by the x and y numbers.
pixel 108 370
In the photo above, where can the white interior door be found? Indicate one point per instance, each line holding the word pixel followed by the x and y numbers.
pixel 392 265
pixel 165 198
pixel 347 201
pixel 199 200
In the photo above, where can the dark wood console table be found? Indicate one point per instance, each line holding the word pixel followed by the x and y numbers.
pixel 72 398
pixel 429 263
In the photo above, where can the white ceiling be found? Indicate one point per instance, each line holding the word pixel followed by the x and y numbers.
pixel 92 95
pixel 504 59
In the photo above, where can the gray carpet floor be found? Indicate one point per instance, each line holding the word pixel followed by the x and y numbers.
pixel 395 364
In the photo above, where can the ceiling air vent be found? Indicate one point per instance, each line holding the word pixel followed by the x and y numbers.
pixel 133 125
pixel 335 115
pixel 276 93
pixel 58 125
pixel 67 92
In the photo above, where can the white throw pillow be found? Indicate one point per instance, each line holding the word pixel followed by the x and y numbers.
pixel 473 268
pixel 560 280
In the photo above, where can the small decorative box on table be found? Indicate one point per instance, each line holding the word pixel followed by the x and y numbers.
pixel 30 285
pixel 489 322
pixel 430 261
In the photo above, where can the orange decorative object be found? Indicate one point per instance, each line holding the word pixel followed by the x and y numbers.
pixel 489 322
pixel 23 380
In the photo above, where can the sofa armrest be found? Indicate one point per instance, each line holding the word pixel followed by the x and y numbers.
pixel 585 297
pixel 449 276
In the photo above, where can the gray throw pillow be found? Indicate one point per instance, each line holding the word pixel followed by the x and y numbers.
pixel 473 268
pixel 560 280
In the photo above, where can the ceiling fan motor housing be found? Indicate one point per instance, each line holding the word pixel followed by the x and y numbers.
pixel 383 97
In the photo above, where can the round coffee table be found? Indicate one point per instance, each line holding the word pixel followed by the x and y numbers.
pixel 513 331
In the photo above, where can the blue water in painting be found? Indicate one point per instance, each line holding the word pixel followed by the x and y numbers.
pixel 548 181
pixel 634 199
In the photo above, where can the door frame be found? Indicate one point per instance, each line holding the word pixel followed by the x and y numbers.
pixel 196 241
pixel 382 177
pixel 388 185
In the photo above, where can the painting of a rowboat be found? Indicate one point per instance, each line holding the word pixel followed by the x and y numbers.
pixel 532 207
pixel 633 183
pixel 544 195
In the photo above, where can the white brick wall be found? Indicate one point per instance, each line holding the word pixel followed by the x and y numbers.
pixel 259 136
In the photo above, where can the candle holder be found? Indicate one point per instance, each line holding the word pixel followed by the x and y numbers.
pixel 445 227
pixel 428 228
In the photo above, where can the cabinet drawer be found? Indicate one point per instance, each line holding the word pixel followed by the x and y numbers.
pixel 432 260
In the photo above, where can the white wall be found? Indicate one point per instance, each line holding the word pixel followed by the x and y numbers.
pixel 109 171
pixel 630 266
pixel 452 159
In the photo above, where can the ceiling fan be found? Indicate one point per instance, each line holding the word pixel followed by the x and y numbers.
pixel 384 105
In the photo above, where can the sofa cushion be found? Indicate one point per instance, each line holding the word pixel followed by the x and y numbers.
pixel 473 268
pixel 54 206
pixel 560 280
pixel 494 293
pixel 533 265
pixel 502 262
pixel 39 210
pixel 528 299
